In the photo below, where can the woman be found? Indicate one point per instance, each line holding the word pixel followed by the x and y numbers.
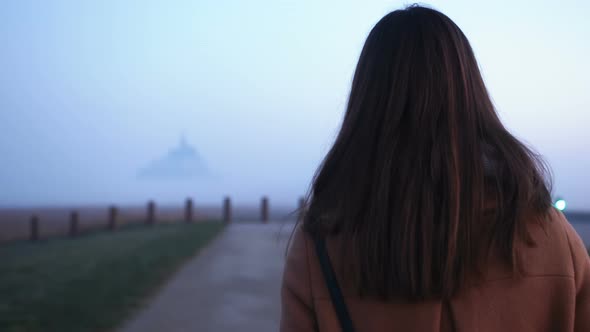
pixel 427 214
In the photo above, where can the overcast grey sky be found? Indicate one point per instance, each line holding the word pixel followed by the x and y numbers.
pixel 92 91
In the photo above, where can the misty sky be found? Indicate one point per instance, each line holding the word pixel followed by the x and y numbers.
pixel 92 91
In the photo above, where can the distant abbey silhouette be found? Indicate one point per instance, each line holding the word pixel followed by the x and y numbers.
pixel 182 161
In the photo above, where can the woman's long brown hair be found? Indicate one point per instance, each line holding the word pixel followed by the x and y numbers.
pixel 419 157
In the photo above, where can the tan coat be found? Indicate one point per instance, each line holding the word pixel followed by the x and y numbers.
pixel 553 295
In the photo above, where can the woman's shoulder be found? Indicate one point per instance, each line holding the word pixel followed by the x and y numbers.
pixel 298 241
pixel 297 260
pixel 556 247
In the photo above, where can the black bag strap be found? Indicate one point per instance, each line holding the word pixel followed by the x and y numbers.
pixel 333 288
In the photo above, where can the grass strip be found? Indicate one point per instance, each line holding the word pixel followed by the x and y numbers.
pixel 91 283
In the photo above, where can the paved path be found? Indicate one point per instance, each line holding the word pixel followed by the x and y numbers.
pixel 232 285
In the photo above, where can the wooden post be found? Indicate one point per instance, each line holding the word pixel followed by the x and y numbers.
pixel 151 213
pixel 227 210
pixel 264 210
pixel 74 223
pixel 188 210
pixel 113 214
pixel 301 209
pixel 34 228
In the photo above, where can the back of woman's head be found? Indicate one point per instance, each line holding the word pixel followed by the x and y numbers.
pixel 421 162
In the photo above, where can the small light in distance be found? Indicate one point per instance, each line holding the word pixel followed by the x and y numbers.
pixel 560 204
